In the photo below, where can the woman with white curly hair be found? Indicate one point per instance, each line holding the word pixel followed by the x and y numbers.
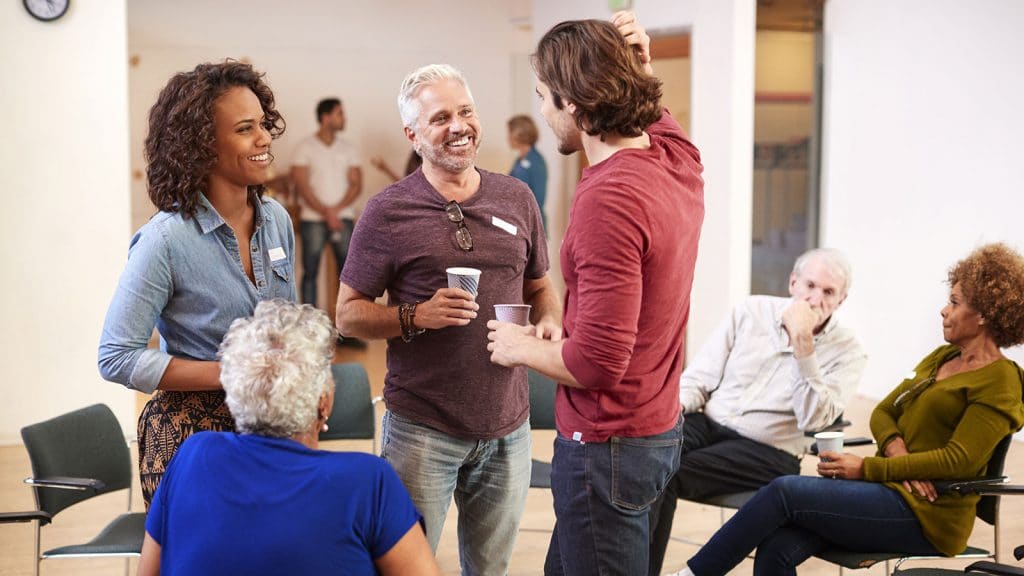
pixel 265 500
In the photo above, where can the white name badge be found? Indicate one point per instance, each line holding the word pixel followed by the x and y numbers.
pixel 511 229
pixel 276 254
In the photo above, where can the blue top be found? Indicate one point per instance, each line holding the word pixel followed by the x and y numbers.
pixel 534 171
pixel 244 504
pixel 185 277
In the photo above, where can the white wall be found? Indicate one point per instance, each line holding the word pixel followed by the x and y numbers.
pixel 723 129
pixel 921 159
pixel 63 232
pixel 722 68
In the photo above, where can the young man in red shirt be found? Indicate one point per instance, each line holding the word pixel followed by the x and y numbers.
pixel 628 259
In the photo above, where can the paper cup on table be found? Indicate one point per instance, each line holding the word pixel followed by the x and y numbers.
pixel 466 278
pixel 514 313
pixel 829 442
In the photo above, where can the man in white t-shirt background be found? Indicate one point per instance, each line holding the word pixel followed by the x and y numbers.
pixel 327 174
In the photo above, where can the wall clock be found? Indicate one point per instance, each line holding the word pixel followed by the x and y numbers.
pixel 46 10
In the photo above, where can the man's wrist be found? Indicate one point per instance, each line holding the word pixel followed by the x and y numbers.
pixel 407 322
pixel 803 345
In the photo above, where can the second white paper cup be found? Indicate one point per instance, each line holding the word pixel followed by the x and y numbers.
pixel 514 313
pixel 829 441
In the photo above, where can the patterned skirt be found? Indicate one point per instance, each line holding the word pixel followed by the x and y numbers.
pixel 167 420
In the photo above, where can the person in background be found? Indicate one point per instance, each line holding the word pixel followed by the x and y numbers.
pixel 941 423
pixel 529 165
pixel 281 505
pixel 628 260
pixel 455 424
pixel 327 175
pixel 773 370
pixel 411 165
pixel 214 250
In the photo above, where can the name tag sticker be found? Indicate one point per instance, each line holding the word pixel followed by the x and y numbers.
pixel 504 225
pixel 276 254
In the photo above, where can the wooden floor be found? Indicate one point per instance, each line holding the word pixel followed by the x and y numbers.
pixel 692 521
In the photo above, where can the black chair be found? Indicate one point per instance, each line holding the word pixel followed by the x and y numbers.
pixel 542 417
pixel 983 566
pixel 987 509
pixel 995 568
pixel 76 457
pixel 354 416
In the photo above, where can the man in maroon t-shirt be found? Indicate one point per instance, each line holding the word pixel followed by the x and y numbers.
pixel 628 259
pixel 456 423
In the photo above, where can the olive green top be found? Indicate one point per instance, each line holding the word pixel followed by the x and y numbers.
pixel 950 427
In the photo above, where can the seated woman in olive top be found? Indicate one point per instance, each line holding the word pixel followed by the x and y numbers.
pixel 941 423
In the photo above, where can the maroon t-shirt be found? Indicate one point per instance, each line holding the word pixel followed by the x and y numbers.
pixel 628 259
pixel 403 243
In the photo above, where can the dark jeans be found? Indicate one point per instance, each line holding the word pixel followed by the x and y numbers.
pixel 602 492
pixel 716 460
pixel 795 517
pixel 314 235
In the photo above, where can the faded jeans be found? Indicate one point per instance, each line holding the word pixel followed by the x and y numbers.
pixel 488 478
pixel 314 236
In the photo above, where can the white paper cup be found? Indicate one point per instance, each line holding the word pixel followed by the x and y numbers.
pixel 466 278
pixel 514 313
pixel 829 442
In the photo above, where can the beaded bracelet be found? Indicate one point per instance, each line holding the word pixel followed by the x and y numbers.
pixel 406 321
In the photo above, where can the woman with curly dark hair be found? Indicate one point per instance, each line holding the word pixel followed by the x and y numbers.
pixel 940 423
pixel 215 249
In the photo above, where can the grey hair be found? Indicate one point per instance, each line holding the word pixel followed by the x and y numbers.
pixel 834 259
pixel 275 366
pixel 408 105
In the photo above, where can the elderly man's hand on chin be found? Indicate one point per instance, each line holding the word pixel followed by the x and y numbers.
pixel 800 321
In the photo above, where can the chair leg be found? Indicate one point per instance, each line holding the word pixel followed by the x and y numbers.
pixel 995 535
pixel 36 548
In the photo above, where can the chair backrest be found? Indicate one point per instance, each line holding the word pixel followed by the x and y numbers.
pixel 542 401
pixel 86 443
pixel 988 506
pixel 352 417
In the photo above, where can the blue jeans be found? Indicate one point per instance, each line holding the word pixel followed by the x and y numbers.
pixel 489 479
pixel 795 517
pixel 602 494
pixel 314 236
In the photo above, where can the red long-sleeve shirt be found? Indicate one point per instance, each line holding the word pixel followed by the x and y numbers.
pixel 628 260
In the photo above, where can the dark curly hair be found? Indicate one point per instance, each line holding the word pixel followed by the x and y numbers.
pixel 179 148
pixel 588 63
pixel 992 280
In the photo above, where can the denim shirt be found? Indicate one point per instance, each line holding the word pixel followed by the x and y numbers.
pixel 185 277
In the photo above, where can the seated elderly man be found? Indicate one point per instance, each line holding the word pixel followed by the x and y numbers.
pixel 265 500
pixel 777 367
